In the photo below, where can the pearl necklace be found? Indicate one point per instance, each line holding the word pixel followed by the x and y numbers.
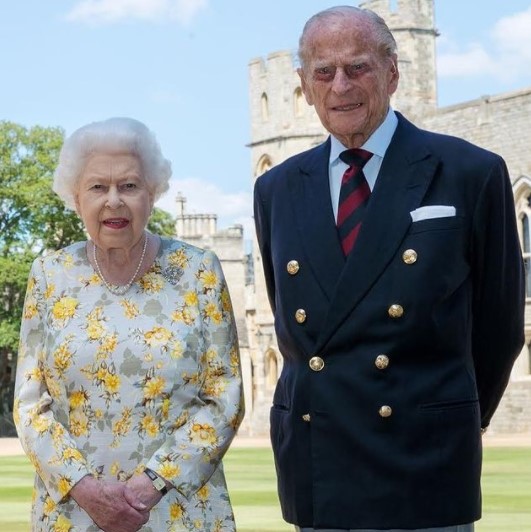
pixel 120 290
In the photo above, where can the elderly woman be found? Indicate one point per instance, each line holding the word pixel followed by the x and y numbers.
pixel 128 387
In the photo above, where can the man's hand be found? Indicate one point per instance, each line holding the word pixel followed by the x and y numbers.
pixel 106 504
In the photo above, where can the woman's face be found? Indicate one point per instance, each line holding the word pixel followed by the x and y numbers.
pixel 113 200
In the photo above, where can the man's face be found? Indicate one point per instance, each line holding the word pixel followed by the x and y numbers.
pixel 348 79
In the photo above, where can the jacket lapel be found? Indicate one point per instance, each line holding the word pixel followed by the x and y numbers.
pixel 404 177
pixel 314 218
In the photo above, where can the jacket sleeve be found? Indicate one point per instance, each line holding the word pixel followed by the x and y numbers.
pixel 499 299
pixel 209 422
pixel 46 441
pixel 263 235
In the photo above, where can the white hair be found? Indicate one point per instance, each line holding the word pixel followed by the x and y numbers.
pixel 114 135
pixel 384 38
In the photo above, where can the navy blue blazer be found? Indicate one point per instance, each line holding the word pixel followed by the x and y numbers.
pixel 342 461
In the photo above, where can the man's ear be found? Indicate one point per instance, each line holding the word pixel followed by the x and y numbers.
pixel 394 75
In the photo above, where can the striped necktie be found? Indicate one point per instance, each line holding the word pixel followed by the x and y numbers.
pixel 353 197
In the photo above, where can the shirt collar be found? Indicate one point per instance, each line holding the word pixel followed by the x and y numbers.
pixel 377 143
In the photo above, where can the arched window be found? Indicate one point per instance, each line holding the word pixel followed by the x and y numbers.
pixel 522 200
pixel 264 105
pixel 264 164
pixel 271 369
pixel 526 248
pixel 298 102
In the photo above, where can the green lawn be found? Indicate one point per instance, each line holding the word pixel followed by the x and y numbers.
pixel 251 478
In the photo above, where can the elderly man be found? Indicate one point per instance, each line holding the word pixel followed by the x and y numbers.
pixel 394 272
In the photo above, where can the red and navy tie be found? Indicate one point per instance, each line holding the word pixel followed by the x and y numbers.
pixel 353 197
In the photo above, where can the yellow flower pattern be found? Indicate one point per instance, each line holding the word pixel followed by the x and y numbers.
pixel 62 357
pixel 152 283
pixel 107 345
pixel 153 388
pixel 95 324
pixel 208 279
pixel 49 506
pixel 62 525
pixel 64 309
pixel 131 310
pixel 49 291
pixel 30 309
pixel 157 336
pixel 179 258
pixel 108 385
pixel 64 485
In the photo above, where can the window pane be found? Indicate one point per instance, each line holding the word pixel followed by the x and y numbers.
pixel 527 264
pixel 525 223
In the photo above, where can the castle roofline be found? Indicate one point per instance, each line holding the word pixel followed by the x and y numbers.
pixel 509 95
pixel 283 138
pixel 272 55
pixel 416 29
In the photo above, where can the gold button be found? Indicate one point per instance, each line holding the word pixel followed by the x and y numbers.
pixel 385 411
pixel 382 361
pixel 306 417
pixel 292 267
pixel 409 256
pixel 316 363
pixel 300 315
pixel 395 311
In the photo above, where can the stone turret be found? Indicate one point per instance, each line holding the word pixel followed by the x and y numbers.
pixel 281 120
pixel 412 23
pixel 282 123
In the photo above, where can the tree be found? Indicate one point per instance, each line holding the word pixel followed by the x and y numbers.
pixel 161 223
pixel 33 220
pixel 32 217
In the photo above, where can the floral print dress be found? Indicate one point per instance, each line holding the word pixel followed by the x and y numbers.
pixel 109 385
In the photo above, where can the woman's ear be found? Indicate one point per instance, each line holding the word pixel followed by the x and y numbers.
pixel 76 203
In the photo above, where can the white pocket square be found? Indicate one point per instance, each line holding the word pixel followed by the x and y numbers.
pixel 432 211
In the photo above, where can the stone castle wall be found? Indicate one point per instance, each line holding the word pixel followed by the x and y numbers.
pixel 500 123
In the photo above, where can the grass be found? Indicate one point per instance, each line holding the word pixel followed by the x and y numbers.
pixel 506 490
pixel 15 493
pixel 252 487
pixel 251 478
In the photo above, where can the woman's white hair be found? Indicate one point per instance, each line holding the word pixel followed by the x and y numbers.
pixel 114 135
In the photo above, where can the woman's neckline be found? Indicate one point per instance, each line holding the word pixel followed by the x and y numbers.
pixel 146 269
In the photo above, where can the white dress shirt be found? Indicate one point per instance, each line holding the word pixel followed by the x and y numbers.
pixel 377 144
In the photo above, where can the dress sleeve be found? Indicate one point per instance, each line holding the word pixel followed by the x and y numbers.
pixel 192 453
pixel 57 461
